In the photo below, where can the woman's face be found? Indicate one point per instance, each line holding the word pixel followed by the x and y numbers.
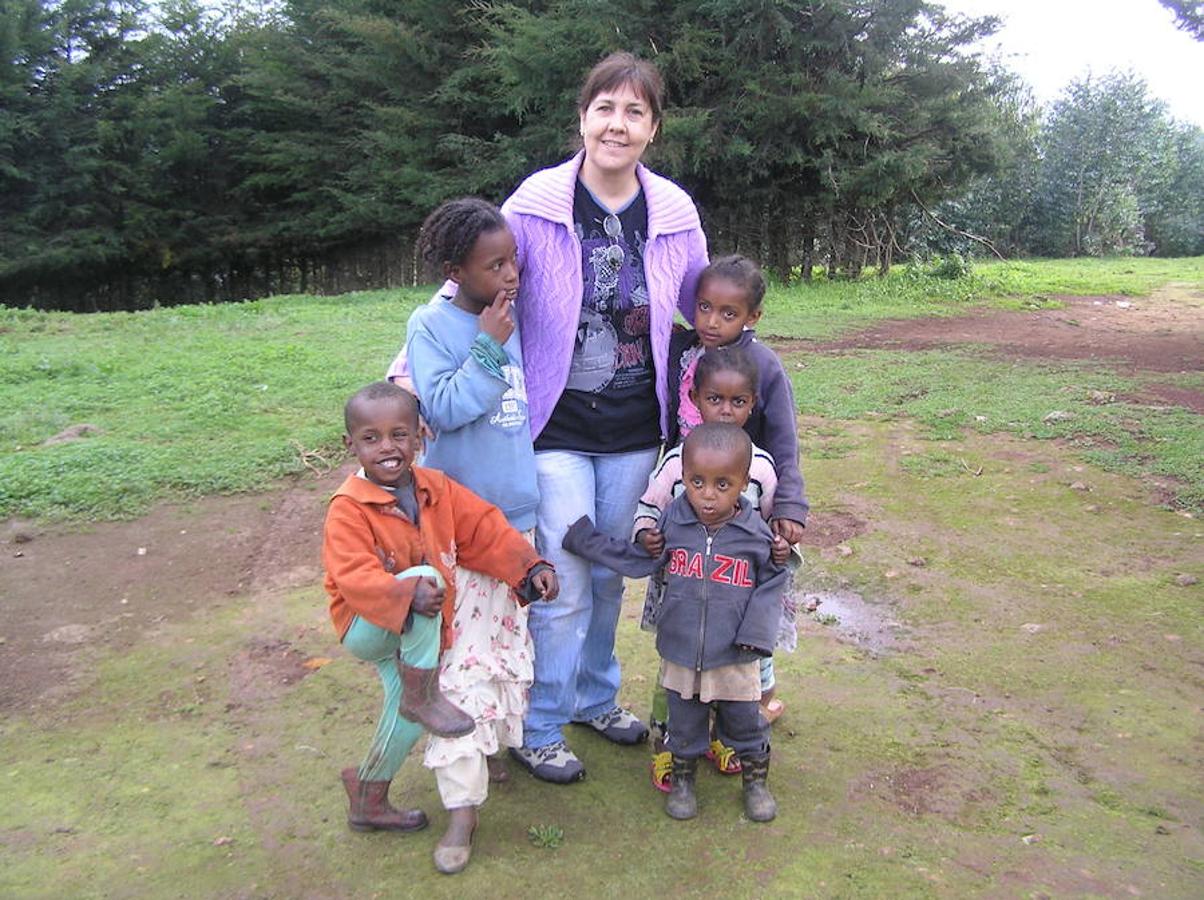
pixel 616 127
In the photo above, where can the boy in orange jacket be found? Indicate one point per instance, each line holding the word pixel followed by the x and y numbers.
pixel 394 534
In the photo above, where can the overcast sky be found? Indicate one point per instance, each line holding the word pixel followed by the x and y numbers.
pixel 1051 42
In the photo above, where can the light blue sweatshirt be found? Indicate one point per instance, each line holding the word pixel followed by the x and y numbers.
pixel 474 397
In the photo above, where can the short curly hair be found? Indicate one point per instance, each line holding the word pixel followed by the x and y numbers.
pixel 377 390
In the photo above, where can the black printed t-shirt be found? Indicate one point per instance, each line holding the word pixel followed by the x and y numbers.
pixel 609 404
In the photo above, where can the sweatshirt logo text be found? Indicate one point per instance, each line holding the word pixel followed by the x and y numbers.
pixel 726 570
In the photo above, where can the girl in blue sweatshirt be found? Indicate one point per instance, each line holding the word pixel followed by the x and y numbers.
pixel 467 369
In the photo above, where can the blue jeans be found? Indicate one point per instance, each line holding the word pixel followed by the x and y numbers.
pixel 576 670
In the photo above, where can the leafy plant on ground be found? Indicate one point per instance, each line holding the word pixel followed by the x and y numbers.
pixel 546 837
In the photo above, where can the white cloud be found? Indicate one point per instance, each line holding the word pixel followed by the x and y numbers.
pixel 1051 42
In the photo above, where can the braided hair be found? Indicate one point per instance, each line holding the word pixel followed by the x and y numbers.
pixel 740 271
pixel 726 359
pixel 449 233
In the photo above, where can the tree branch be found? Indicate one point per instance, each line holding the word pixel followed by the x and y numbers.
pixel 973 237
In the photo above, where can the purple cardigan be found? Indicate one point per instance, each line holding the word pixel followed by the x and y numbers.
pixel 540 213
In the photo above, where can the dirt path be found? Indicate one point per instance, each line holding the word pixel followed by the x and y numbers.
pixel 1162 333
pixel 70 590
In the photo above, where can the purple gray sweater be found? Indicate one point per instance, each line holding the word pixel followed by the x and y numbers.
pixel 771 425
pixel 540 213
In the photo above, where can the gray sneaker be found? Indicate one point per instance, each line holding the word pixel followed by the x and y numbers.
pixel 553 762
pixel 618 725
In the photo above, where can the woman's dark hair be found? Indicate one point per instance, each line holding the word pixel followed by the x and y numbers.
pixel 740 271
pixel 619 69
pixel 726 359
pixel 448 234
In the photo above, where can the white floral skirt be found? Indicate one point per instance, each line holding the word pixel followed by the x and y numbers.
pixel 488 669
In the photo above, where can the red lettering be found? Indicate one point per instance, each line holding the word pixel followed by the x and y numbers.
pixel 695 569
pixel 677 562
pixel 723 565
pixel 629 355
pixel 741 577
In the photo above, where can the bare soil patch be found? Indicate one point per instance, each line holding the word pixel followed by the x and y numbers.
pixel 1160 333
pixel 67 588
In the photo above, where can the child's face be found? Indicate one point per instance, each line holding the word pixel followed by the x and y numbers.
pixel 384 438
pixel 489 269
pixel 721 312
pixel 714 479
pixel 725 396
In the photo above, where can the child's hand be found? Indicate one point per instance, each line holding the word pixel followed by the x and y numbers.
pixel 789 529
pixel 428 598
pixel 545 582
pixel 652 540
pixel 497 319
pixel 780 550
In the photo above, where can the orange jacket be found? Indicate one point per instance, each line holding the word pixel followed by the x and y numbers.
pixel 367 539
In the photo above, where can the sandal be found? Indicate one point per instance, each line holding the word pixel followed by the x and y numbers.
pixel 724 757
pixel 662 769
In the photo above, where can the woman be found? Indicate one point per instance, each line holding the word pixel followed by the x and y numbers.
pixel 608 250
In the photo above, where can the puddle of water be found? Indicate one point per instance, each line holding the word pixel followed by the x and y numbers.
pixel 855 620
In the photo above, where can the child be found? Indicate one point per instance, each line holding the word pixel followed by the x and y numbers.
pixel 724 390
pixel 393 537
pixel 727 306
pixel 719 615
pixel 467 366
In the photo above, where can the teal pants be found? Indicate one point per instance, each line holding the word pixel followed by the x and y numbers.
pixel 417 646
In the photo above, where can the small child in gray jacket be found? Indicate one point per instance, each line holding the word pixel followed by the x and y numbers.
pixel 719 614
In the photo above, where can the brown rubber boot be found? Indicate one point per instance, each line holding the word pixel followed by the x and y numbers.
pixel 759 805
pixel 371 810
pixel 681 802
pixel 422 702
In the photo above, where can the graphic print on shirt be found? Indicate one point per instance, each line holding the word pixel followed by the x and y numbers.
pixel 512 412
pixel 613 349
pixel 593 353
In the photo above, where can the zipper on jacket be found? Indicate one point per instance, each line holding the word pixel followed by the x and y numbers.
pixel 702 620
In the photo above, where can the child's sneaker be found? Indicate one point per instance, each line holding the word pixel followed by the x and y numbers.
pixel 662 769
pixel 724 757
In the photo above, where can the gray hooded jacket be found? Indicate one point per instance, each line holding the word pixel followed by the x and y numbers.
pixel 722 590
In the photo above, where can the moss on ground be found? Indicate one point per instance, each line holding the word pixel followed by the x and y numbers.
pixel 978 758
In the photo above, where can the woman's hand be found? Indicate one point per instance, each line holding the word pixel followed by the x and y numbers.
pixel 428 597
pixel 789 529
pixel 545 582
pixel 497 319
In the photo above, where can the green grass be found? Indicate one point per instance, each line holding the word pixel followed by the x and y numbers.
pixel 1131 276
pixel 189 400
pixel 222 398
pixel 824 309
pixel 951 392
